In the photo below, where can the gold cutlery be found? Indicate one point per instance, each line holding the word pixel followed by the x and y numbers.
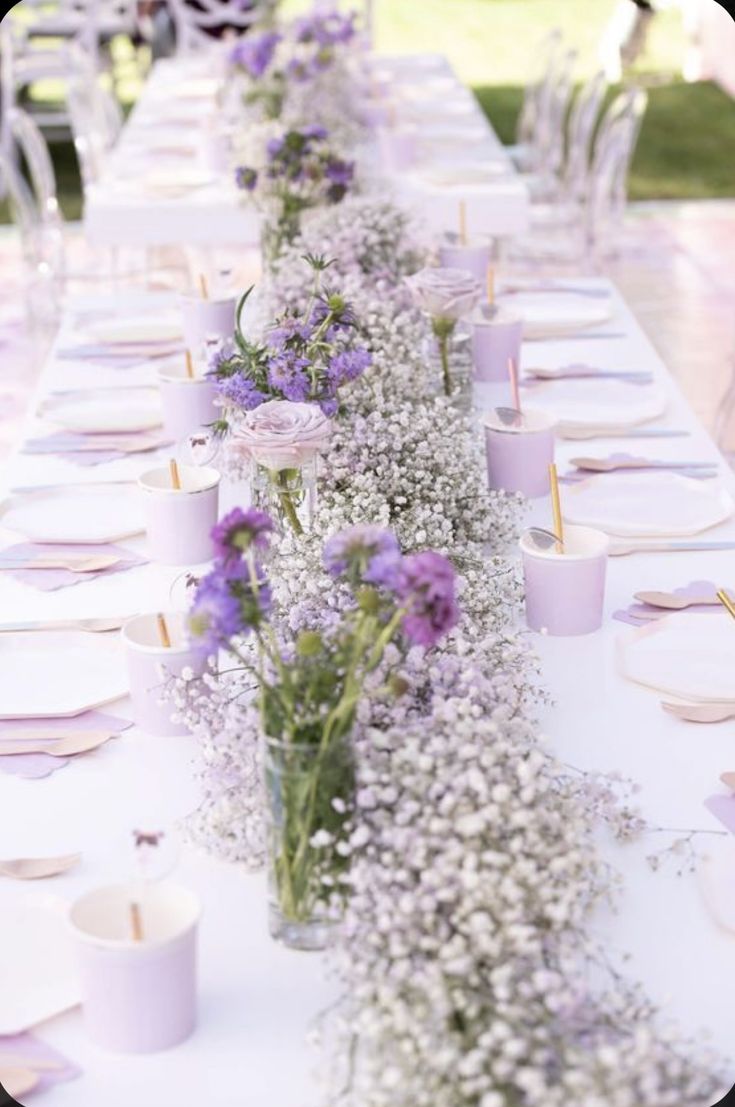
pixel 701 712
pixel 37 868
pixel 93 626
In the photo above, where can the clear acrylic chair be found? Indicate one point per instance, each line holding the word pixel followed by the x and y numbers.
pixel 192 24
pixel 542 73
pixel 580 130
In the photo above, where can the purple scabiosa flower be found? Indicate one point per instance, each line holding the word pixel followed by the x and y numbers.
pixel 364 552
pixel 342 312
pixel 255 53
pixel 274 146
pixel 215 616
pixel 287 329
pixel 246 178
pixel 348 365
pixel 426 586
pixel 329 405
pixel 340 172
pixel 314 131
pixel 240 530
pixel 219 354
pixel 240 392
pixel 287 374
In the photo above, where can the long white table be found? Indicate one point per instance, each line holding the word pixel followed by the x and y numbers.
pixel 178 106
pixel 257 999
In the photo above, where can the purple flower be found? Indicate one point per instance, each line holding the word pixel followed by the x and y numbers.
pixel 287 329
pixel 240 391
pixel 245 178
pixel 274 146
pixel 238 531
pixel 215 614
pixel 219 354
pixel 426 586
pixel 315 131
pixel 255 53
pixel 348 365
pixel 340 172
pixel 364 552
pixel 287 374
pixel 329 405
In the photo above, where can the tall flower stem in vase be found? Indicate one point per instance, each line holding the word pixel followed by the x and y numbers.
pixel 443 330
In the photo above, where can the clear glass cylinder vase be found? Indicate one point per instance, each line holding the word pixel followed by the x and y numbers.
pixel 309 796
pixel 287 494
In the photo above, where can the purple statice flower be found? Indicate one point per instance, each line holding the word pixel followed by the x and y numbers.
pixel 215 615
pixel 240 530
pixel 240 392
pixel 365 552
pixel 426 586
pixel 287 374
pixel 340 172
pixel 255 53
pixel 348 365
pixel 246 178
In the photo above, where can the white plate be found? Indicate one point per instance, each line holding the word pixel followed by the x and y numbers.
pixel 38 977
pixel 470 174
pixel 683 655
pixel 144 328
pixel 59 673
pixel 591 405
pixel 84 515
pixel 107 414
pixel 164 180
pixel 547 315
pixel 647 505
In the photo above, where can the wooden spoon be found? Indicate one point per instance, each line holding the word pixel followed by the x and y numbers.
pixel 90 564
pixel 73 742
pixel 93 625
pixel 608 464
pixel 673 602
pixel 18 1081
pixel 729 780
pixel 701 712
pixel 38 868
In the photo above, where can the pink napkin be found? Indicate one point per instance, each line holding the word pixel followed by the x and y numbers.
pixel 34 766
pixel 25 1045
pixel 49 580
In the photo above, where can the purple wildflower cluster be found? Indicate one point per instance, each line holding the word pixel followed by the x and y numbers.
pixel 234 598
pixel 303 358
pixel 326 28
pixel 301 172
pixel 254 53
pixel 423 584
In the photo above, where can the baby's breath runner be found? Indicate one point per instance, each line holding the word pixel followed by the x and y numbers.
pixel 464 961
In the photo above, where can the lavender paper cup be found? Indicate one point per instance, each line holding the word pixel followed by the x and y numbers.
pixel 137 996
pixel 565 592
pixel 496 337
pixel 203 321
pixel 474 256
pixel 151 666
pixel 188 402
pixel 179 520
pixel 518 458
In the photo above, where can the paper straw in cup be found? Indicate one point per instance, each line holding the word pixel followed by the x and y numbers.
pixel 179 520
pixel 152 665
pixel 565 592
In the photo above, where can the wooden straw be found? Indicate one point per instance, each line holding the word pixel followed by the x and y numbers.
pixel 726 602
pixel 163 632
pixel 203 286
pixel 136 922
pixel 463 222
pixel 174 471
pixel 490 285
pixel 556 507
pixel 514 389
pixel 189 364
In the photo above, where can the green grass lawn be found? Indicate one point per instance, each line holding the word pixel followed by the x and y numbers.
pixel 688 134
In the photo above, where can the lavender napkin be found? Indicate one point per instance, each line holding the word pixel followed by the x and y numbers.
pixel 49 580
pixel 638 614
pixel 723 808
pixel 67 443
pixel 26 1046
pixel 34 766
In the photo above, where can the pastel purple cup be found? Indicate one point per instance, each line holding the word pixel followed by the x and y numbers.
pixel 188 402
pixel 151 666
pixel 137 996
pixel 398 148
pixel 179 520
pixel 473 256
pixel 203 321
pixel 518 458
pixel 496 337
pixel 565 592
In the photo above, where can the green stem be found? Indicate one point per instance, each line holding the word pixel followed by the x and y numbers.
pixel 443 329
pixel 285 498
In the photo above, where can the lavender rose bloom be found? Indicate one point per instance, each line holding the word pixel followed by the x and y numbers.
pixel 444 293
pixel 281 434
pixel 427 587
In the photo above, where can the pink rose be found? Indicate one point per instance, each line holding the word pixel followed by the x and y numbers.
pixel 444 293
pixel 281 434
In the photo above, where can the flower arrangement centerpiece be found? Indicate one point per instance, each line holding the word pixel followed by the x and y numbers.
pixel 279 395
pixel 445 296
pixel 301 171
pixel 309 689
pixel 273 62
